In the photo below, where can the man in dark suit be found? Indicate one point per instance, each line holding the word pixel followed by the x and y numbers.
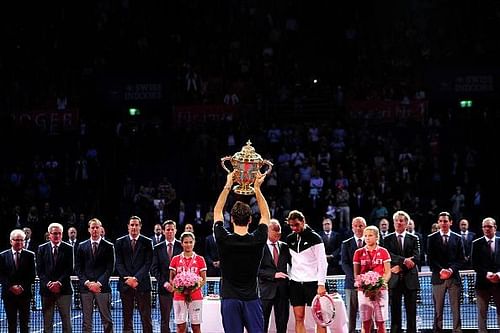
pixel 273 279
pixel 29 242
pixel 162 254
pixel 134 256
pixel 54 265
pixel 405 259
pixel 349 246
pixel 486 263
pixel 467 238
pixel 158 236
pixel 95 262
pixel 72 238
pixel 423 243
pixel 383 226
pixel 332 242
pixel 73 241
pixel 446 257
pixel 17 275
pixel 212 256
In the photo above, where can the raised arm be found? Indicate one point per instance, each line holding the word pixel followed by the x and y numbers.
pixel 221 201
pixel 265 215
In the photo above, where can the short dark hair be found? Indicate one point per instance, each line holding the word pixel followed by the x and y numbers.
pixel 296 215
pixel 241 213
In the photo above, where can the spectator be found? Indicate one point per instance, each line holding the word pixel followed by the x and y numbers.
pixel 383 226
pixel 423 244
pixel 332 241
pixel 342 203
pixel 467 238
pixel 158 236
pixel 212 256
pixel 378 212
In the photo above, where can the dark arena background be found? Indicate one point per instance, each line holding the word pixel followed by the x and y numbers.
pixel 116 108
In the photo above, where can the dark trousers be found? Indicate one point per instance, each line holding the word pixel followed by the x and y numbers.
pixel 166 302
pixel 237 315
pixel 143 299
pixel 281 312
pixel 410 296
pixel 14 305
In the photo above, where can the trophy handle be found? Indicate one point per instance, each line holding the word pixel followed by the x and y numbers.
pixel 269 166
pixel 223 163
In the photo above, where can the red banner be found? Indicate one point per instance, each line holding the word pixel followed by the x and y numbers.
pixel 185 114
pixel 51 122
pixel 387 110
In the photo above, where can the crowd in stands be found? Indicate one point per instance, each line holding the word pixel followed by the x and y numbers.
pixel 246 53
pixel 340 171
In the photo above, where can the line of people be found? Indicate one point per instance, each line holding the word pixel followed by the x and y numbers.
pixel 259 272
pixel 132 257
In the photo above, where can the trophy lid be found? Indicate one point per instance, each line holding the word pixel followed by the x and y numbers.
pixel 247 154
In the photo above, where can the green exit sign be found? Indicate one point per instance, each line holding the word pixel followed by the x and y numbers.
pixel 466 103
pixel 134 112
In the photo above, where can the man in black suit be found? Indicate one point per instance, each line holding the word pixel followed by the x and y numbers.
pixel 446 257
pixel 17 275
pixel 134 256
pixel 383 226
pixel 158 236
pixel 29 243
pixel 73 241
pixel 349 246
pixel 54 265
pixel 405 259
pixel 423 244
pixel 95 262
pixel 72 238
pixel 212 256
pixel 162 254
pixel 332 242
pixel 273 279
pixel 467 238
pixel 486 263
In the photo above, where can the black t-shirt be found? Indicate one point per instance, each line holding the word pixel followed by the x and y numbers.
pixel 240 258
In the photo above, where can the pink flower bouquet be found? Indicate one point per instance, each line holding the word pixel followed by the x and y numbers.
pixel 185 282
pixel 370 284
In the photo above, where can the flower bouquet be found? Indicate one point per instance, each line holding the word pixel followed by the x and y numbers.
pixel 185 282
pixel 370 284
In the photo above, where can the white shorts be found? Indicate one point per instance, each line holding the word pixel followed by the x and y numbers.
pixel 378 309
pixel 192 309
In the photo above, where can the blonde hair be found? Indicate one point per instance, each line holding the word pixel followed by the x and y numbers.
pixel 401 213
pixel 374 229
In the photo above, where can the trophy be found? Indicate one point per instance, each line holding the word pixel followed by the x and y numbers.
pixel 246 163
